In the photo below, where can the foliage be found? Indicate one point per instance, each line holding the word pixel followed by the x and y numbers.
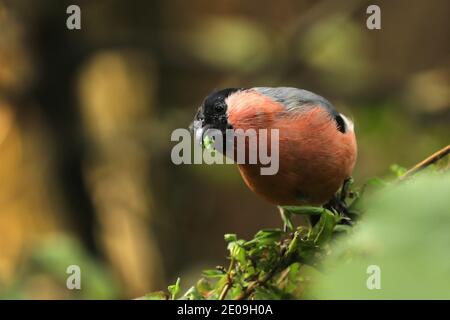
pixel 406 234
pixel 404 231
pixel 269 266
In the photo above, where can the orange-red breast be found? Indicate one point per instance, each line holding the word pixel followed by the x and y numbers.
pixel 317 145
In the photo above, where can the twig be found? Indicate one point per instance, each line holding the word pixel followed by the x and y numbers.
pixel 283 276
pixel 286 258
pixel 251 288
pixel 428 161
pixel 229 282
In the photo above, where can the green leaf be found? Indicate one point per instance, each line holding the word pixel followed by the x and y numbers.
pixel 174 289
pixel 218 287
pixel 208 142
pixel 204 287
pixel 229 237
pixel 234 292
pixel 397 170
pixel 158 295
pixel 250 272
pixel 213 273
pixel 323 230
pixel 304 210
pixel 237 252
pixel 286 217
pixel 269 233
pixel 294 270
pixel 264 237
pixel 343 228
pixel 193 294
pixel 269 292
pixel 293 246
pixel 306 251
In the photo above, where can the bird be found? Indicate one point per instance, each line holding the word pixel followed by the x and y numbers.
pixel 317 144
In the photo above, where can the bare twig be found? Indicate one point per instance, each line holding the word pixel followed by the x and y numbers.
pixel 428 161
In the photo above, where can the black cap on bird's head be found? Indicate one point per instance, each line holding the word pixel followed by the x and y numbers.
pixel 212 114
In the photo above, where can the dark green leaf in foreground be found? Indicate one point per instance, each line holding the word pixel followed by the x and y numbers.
pixel 406 233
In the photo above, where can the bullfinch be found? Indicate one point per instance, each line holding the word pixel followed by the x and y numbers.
pixel 317 145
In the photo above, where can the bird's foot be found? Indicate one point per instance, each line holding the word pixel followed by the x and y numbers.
pixel 338 202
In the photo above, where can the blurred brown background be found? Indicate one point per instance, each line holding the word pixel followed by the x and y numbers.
pixel 86 117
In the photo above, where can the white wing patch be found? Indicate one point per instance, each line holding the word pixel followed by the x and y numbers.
pixel 348 123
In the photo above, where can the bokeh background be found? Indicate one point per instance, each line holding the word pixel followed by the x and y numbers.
pixel 86 117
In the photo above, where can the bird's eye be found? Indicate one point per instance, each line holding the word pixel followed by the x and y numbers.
pixel 219 108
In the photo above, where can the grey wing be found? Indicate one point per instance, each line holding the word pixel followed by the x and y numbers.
pixel 295 99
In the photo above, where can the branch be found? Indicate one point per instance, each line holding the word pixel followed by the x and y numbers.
pixel 229 282
pixel 425 163
pixel 287 257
